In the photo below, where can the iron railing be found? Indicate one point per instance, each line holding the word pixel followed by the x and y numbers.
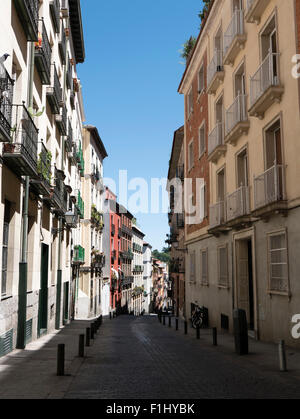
pixel 28 11
pixel 54 93
pixel 266 76
pixel 236 113
pixel 6 98
pixel 235 28
pixel 217 214
pixel 69 74
pixel 269 187
pixel 216 138
pixel 62 44
pixel 43 54
pixel 215 66
pixel 237 203
pixel 55 13
pixel 69 138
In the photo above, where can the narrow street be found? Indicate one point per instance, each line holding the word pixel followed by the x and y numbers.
pixel 139 358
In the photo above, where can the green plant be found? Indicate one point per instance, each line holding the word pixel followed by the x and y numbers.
pixel 188 47
pixel 44 165
pixel 37 114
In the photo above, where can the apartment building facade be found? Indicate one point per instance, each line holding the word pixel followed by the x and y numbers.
pixel 41 113
pixel 176 239
pixel 249 253
pixel 92 290
pixel 137 269
pixel 147 277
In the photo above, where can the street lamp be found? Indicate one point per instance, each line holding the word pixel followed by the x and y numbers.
pixel 176 247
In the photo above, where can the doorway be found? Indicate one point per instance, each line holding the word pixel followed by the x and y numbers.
pixel 43 297
pixel 245 280
pixel 66 303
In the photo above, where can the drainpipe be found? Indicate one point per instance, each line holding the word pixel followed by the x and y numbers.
pixel 60 220
pixel 23 265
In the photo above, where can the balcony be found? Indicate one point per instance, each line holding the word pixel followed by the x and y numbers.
pixel 127 254
pixel 138 269
pixel 269 191
pixel 54 92
pixel 6 98
pixel 42 55
pixel 217 215
pixel 265 87
pixel 98 260
pixel 97 218
pixel 72 99
pixel 58 198
pixel 55 14
pixel 61 121
pixel 128 280
pixel 69 139
pixel 216 145
pixel 80 205
pixel 234 37
pixel 69 79
pixel 62 45
pixel 237 121
pixel 21 153
pixel 65 8
pixel 238 206
pixel 126 230
pixel 79 255
pixel 42 185
pixel 255 9
pixel 28 12
pixel 215 72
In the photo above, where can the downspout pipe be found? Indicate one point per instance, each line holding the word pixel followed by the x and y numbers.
pixel 23 265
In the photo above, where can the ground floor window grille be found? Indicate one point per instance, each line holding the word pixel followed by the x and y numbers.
pixel 278 263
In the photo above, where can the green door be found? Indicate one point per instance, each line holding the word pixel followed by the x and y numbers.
pixel 43 297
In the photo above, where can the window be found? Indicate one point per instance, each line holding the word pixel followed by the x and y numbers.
pixel 191 155
pixel 190 106
pixel 5 248
pixel 204 266
pixel 223 266
pixel 203 202
pixel 192 267
pixel 201 83
pixel 202 145
pixel 278 262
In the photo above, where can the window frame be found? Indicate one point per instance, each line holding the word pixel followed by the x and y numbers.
pixel 204 283
pixel 274 234
pixel 222 286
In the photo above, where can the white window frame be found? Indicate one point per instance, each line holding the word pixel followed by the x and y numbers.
pixel 269 236
pixel 190 102
pixel 204 282
pixel 223 285
pixel 191 161
pixel 202 128
pixel 201 75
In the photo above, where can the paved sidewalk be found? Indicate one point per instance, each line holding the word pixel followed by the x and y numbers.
pixel 139 358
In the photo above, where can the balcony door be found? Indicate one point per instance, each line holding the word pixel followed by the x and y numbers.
pixel 240 82
pixel 269 45
pixel 221 189
pixel 274 162
pixel 242 169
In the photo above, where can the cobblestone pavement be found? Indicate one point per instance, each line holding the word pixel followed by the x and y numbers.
pixel 138 358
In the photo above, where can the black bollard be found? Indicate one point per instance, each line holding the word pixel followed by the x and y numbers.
pixel 198 332
pixel 164 320
pixel 215 336
pixel 185 328
pixel 110 315
pixel 170 322
pixel 61 360
pixel 101 320
pixel 176 324
pixel 88 337
pixel 81 346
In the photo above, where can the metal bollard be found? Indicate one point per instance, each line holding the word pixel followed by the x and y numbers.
pixel 282 356
pixel 95 327
pixel 170 322
pixel 61 360
pixel 176 324
pixel 88 337
pixel 164 320
pixel 198 332
pixel 81 346
pixel 159 318
pixel 110 315
pixel 185 328
pixel 215 336
pixel 101 320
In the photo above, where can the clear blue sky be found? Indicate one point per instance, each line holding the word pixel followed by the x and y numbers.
pixel 130 80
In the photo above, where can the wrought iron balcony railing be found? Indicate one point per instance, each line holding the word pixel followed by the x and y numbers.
pixel 126 230
pixel 43 54
pixel 21 153
pixel 236 114
pixel 69 138
pixel 69 75
pixel 55 14
pixel 28 12
pixel 267 76
pixel 215 71
pixel 216 139
pixel 269 187
pixel 42 185
pixel 6 98
pixel 62 44
pixel 234 37
pixel 61 120
pixel 54 92
pixel 237 203
pixel 217 214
